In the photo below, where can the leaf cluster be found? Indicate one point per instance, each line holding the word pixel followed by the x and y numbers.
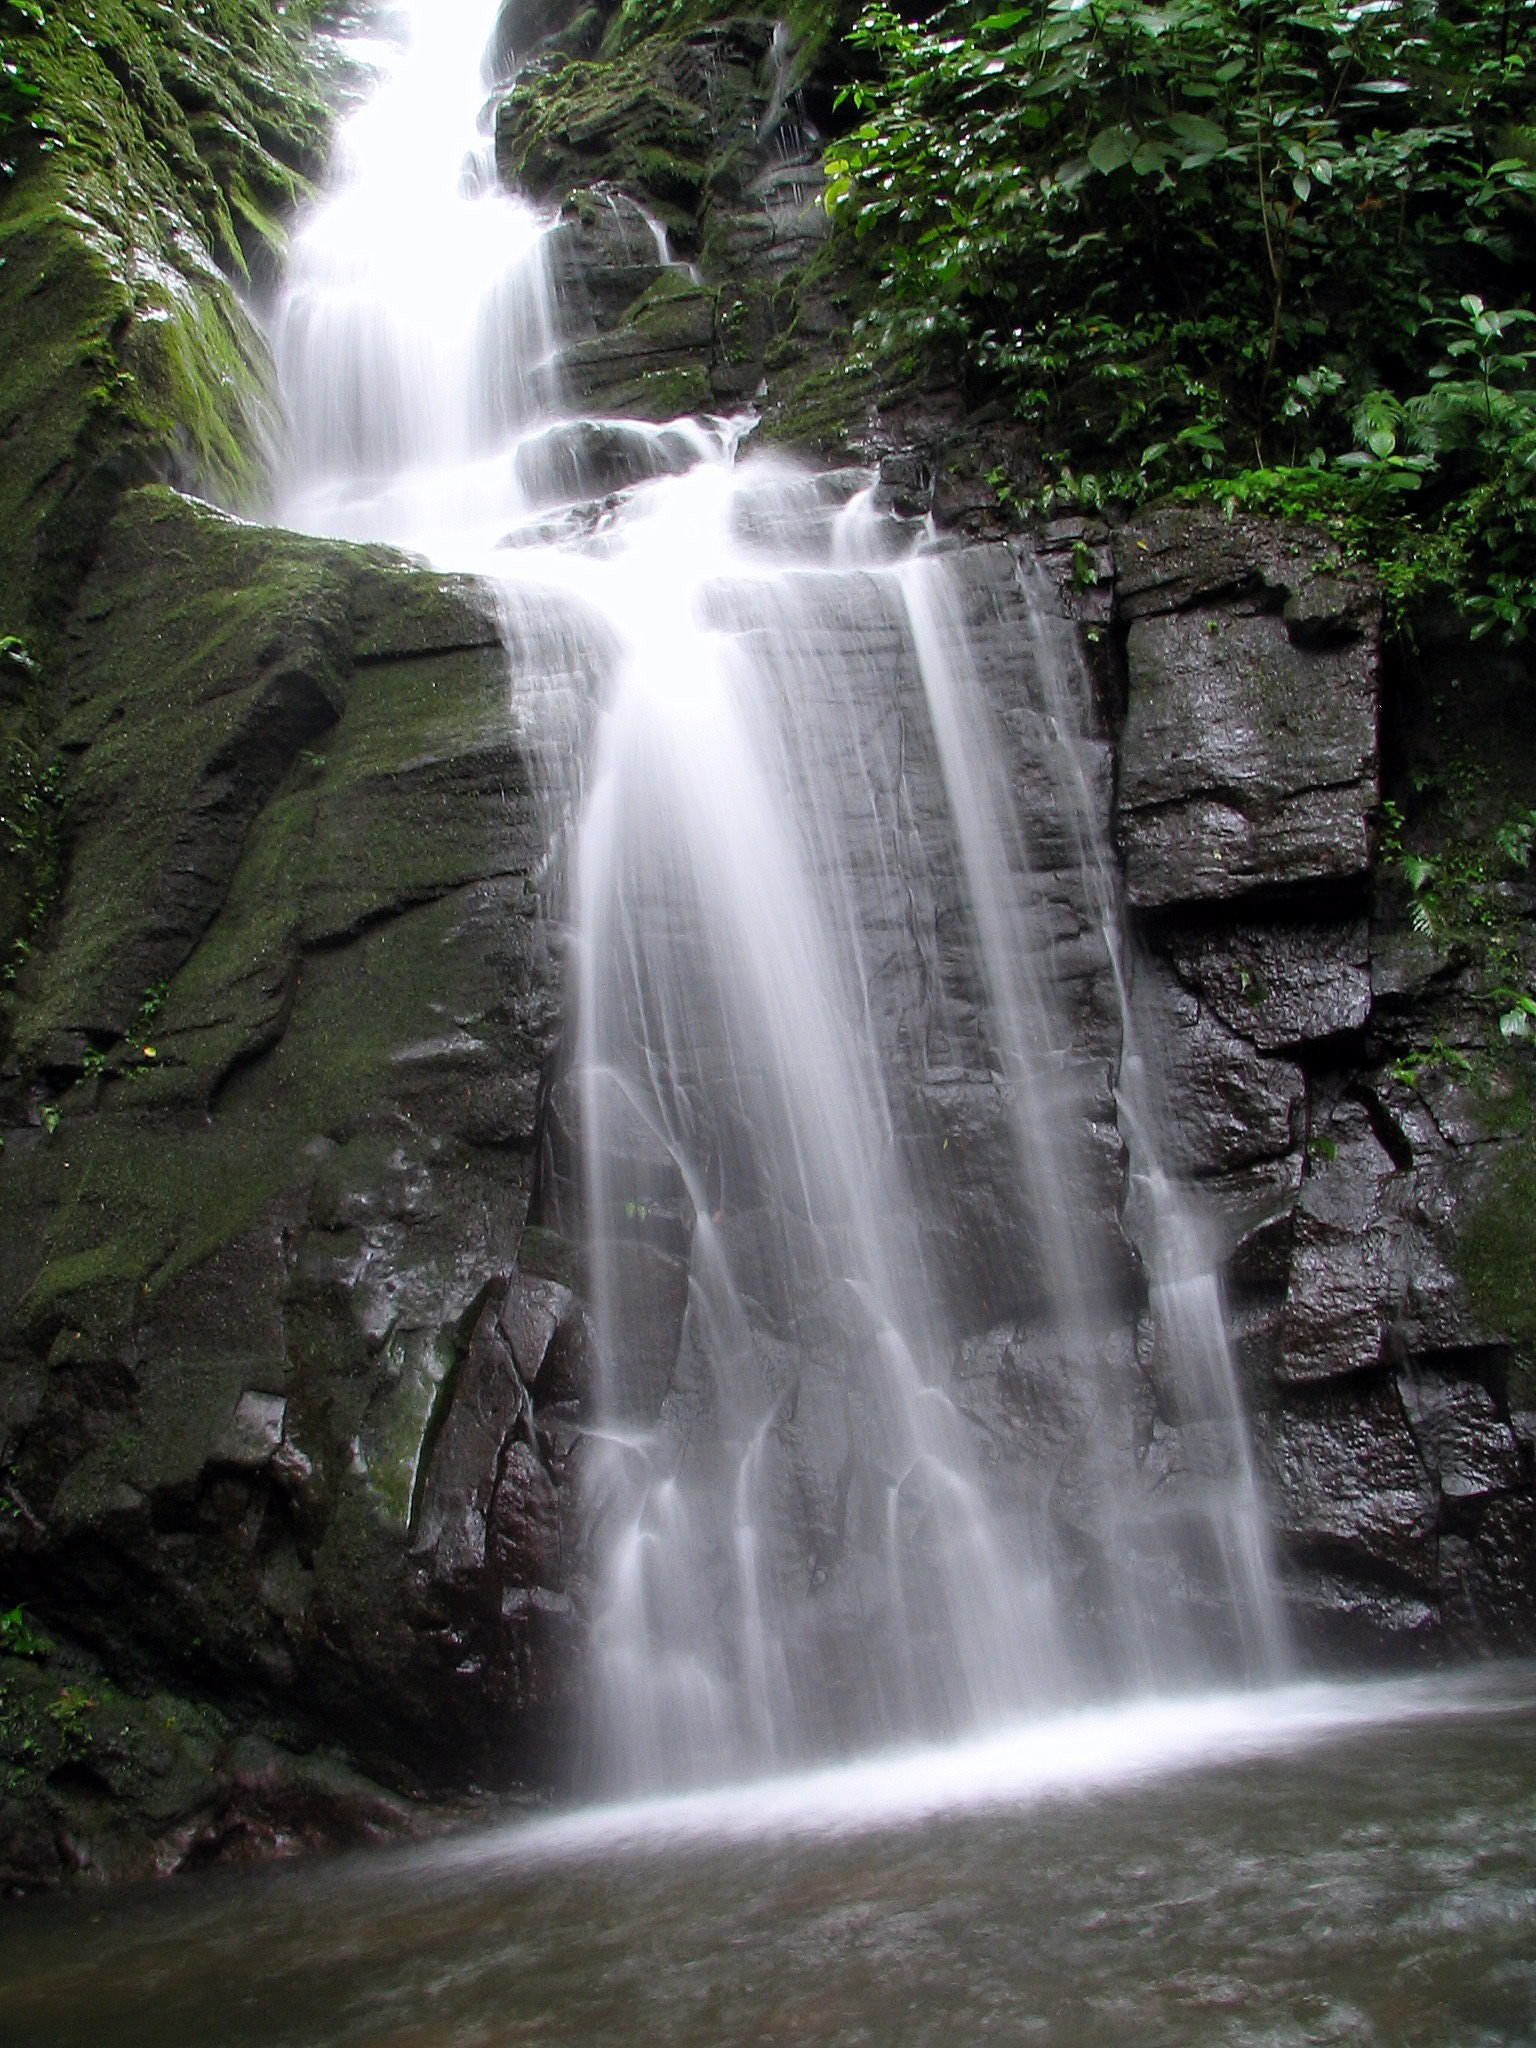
pixel 1458 897
pixel 20 90
pixel 1196 239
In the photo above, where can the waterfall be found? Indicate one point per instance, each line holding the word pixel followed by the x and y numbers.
pixel 415 331
pixel 856 1082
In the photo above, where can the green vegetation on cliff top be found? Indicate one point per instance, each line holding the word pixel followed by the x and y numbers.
pixel 1276 253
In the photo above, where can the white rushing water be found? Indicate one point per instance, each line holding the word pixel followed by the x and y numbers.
pixel 813 948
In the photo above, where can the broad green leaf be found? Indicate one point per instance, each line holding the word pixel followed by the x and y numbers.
pixel 1150 156
pixel 1197 129
pixel 1111 148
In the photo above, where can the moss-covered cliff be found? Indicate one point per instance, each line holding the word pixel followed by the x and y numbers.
pixel 150 164
pixel 255 790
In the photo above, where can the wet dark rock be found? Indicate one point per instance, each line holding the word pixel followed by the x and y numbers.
pixel 1466 1445
pixel 581 459
pixel 1344 1618
pixel 1280 984
pixel 602 256
pixel 524 1522
pixel 524 26
pixel 1489 1607
pixel 488 1406
pixel 1233 1107
pixel 1248 757
pixel 1180 557
pixel 1352 1493
pixel 106 1781
pixel 539 1320
pixel 1344 1257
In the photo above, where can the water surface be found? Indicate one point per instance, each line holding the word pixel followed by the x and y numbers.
pixel 1315 1865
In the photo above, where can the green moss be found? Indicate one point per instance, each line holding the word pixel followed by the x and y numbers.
pixel 192 693
pixel 357 1014
pixel 814 25
pixel 396 1437
pixel 166 1221
pixel 88 1287
pixel 663 394
pixel 545 1254
pixel 31 788
pixel 820 411
pixel 1497 1253
pixel 165 140
pixel 658 116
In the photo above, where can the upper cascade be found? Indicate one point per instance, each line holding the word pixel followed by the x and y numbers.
pixel 854 1087
pixel 415 331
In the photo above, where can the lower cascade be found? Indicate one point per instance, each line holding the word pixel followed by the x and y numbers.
pixel 914 1408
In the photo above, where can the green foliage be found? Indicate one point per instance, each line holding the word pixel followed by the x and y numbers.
pixel 31 850
pixel 19 1639
pixel 71 1715
pixel 1423 1059
pixel 1458 898
pixel 1224 240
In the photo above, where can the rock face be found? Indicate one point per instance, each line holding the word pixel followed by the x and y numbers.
pixel 293 1359
pixel 168 146
pixel 1357 1123
pixel 704 138
pixel 1249 752
pixel 272 1100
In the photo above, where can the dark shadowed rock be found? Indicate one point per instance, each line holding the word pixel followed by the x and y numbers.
pixel 1232 1107
pixel 1344 1258
pixel 1490 1608
pixel 524 26
pixel 1280 984
pixel 1466 1445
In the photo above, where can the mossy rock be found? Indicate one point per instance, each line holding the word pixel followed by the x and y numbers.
pixel 814 27
pixel 1496 1247
pixel 653 119
pixel 163 148
pixel 271 1108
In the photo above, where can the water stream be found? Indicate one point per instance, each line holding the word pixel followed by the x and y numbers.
pixel 846 952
